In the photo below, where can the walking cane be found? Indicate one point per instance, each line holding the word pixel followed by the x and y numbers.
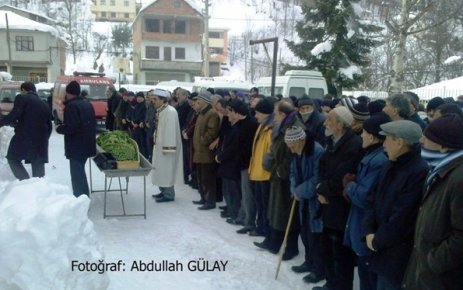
pixel 285 240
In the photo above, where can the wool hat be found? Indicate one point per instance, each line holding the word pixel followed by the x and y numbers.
pixel 372 124
pixel 265 106
pixel 434 103
pixel 73 88
pixel 404 129
pixel 446 131
pixel 376 106
pixel 305 101
pixel 359 110
pixel 294 134
pixel 205 96
pixel 344 115
pixel 140 94
pixel 161 93
pixel 363 99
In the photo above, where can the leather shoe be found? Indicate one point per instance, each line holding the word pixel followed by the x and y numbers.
pixel 312 278
pixel 164 199
pixel 261 245
pixel 224 214
pixel 289 255
pixel 234 221
pixel 243 230
pixel 255 233
pixel 158 195
pixel 201 201
pixel 223 207
pixel 302 268
pixel 206 206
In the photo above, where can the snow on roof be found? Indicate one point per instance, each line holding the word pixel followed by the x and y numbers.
pixel 16 21
pixel 448 88
pixel 192 3
pixel 28 11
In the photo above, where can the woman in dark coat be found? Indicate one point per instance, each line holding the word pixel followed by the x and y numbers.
pixel 138 119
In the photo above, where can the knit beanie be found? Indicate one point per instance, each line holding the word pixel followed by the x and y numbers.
pixel 73 88
pixel 205 96
pixel 434 103
pixel 359 110
pixel 265 106
pixel 294 134
pixel 376 106
pixel 372 124
pixel 305 101
pixel 344 115
pixel 446 131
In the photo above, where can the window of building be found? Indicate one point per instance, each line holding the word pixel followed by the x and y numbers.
pixel 24 43
pixel 167 26
pixel 177 3
pixel 167 53
pixel 112 3
pixel 180 26
pixel 214 34
pixel 126 3
pixel 179 53
pixel 113 14
pixel 102 2
pixel 152 25
pixel 103 14
pixel 152 52
pixel 216 50
pixel 126 15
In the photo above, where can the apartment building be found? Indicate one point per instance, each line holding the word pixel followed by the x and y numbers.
pixel 115 10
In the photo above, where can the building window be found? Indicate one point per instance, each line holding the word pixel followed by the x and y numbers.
pixel 180 26
pixel 113 14
pixel 102 2
pixel 167 26
pixel 24 43
pixel 152 25
pixel 126 3
pixel 215 35
pixel 167 53
pixel 103 14
pixel 112 3
pixel 126 15
pixel 177 3
pixel 216 50
pixel 179 53
pixel 152 52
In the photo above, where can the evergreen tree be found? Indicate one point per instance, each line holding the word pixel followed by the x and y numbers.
pixel 335 41
pixel 122 37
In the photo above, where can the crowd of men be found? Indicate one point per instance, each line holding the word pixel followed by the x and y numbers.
pixel 377 186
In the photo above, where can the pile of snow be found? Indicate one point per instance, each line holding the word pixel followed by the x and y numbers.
pixel 5 76
pixel 6 133
pixel 43 229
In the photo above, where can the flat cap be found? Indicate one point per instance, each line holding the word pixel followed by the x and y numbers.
pixel 409 131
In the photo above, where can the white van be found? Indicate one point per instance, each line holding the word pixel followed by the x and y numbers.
pixel 295 83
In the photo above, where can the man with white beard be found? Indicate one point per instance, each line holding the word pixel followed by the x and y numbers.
pixel 167 150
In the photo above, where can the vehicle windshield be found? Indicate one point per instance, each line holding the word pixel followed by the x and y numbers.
pixel 95 92
pixel 7 95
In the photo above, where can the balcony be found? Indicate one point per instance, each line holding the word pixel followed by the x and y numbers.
pixel 151 64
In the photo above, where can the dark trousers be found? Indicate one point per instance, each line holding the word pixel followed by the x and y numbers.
pixel 231 189
pixel 38 169
pixel 261 190
pixel 186 161
pixel 207 177
pixel 368 279
pixel 276 237
pixel 340 260
pixel 78 177
pixel 140 138
pixel 149 143
pixel 314 250
pixel 385 284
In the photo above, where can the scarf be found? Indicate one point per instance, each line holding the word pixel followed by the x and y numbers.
pixel 445 160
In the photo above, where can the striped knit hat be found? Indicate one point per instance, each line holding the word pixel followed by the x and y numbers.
pixel 359 110
pixel 294 134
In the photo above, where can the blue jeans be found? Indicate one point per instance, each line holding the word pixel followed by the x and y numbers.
pixel 385 284
pixel 247 201
pixel 78 177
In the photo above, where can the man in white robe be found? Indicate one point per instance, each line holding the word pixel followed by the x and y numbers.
pixel 167 150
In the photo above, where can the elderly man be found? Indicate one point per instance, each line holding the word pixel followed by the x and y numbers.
pixel 390 220
pixel 167 150
pixel 32 119
pixel 436 260
pixel 398 107
pixel 342 156
pixel 206 131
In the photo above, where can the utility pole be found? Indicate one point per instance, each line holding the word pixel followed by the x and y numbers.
pixel 8 43
pixel 206 39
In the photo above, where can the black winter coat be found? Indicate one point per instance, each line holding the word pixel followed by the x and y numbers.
pixel 437 258
pixel 337 160
pixel 391 215
pixel 314 125
pixel 183 110
pixel 31 118
pixel 79 129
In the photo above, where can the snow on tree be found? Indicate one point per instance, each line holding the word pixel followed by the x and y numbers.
pixel 334 40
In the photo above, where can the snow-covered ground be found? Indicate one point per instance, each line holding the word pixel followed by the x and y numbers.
pixel 172 232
